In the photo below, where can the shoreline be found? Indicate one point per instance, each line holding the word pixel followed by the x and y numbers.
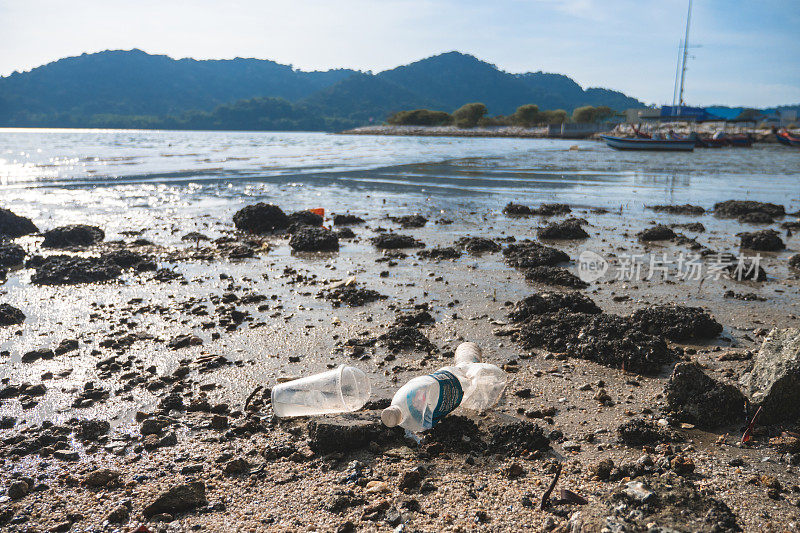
pixel 760 135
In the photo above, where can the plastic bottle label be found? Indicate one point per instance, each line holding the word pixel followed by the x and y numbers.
pixel 450 395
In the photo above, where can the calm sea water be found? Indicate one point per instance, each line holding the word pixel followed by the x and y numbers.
pixel 57 174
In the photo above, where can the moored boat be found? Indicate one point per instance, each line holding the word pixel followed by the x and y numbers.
pixel 784 137
pixel 736 141
pixel 661 145
pixel 711 142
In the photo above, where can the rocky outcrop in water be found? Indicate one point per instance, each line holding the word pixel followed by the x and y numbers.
pixel 261 218
pixel 13 225
pixel 70 270
pixel 10 315
pixel 75 235
pixel 766 240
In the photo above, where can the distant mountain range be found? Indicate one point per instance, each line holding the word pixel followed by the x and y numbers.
pixel 136 89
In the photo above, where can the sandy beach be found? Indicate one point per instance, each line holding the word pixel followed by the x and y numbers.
pixel 160 384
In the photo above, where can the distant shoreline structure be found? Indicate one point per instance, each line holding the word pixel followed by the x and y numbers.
pixel 761 135
pixel 449 131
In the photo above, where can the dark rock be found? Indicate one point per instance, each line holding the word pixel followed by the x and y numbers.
pixel 746 297
pixel 260 218
pixel 671 502
pixel 67 270
pixel 178 499
pixel 547 210
pixel 125 258
pixel 11 255
pixel 416 318
pixel 18 490
pixel 440 253
pixel 568 229
pixel 92 429
pixel 794 262
pixel 686 209
pixel 735 208
pixel 690 226
pixel 558 276
pixel 767 240
pixel 347 220
pixel 614 341
pixel 305 218
pixel 102 477
pixel 345 433
pixel 395 241
pixel 75 235
pixel 542 303
pixel 603 469
pixel 153 426
pixel 66 346
pixel 65 455
pixel 606 339
pixel 677 323
pixel 695 397
pixel 517 437
pixel 120 514
pixel 410 221
pixel 351 295
pixel 184 341
pixel 656 233
pixel 409 480
pixel 10 315
pixel 407 338
pixel 239 251
pixel 311 239
pixel 756 217
pixel 774 381
pixel 457 434
pixel 35 355
pixel 345 233
pixel 478 245
pixel 528 254
pixel 518 210
pixel 791 225
pixel 236 467
pixel 742 268
pixel 13 225
pixel 640 432
pixel 172 402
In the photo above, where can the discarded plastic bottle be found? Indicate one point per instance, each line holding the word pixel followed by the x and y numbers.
pixel 341 390
pixel 423 401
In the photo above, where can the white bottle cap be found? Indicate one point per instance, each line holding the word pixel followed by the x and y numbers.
pixel 391 416
pixel 468 352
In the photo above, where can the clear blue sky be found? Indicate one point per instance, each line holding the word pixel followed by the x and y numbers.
pixel 750 53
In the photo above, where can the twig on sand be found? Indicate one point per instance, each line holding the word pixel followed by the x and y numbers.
pixel 748 434
pixel 252 395
pixel 546 496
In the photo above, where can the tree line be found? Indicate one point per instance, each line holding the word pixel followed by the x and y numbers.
pixel 476 114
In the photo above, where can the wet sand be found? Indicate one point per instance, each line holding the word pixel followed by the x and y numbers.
pixel 283 484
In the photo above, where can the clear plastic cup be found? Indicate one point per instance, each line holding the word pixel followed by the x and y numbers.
pixel 341 390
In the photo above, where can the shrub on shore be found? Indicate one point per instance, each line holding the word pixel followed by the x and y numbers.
pixel 420 117
pixel 468 115
pixel 555 116
pixel 527 115
pixel 590 113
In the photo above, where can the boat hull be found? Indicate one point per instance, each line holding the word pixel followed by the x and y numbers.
pixel 656 145
pixel 788 140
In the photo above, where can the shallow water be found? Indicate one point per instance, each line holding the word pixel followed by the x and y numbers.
pixel 47 173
